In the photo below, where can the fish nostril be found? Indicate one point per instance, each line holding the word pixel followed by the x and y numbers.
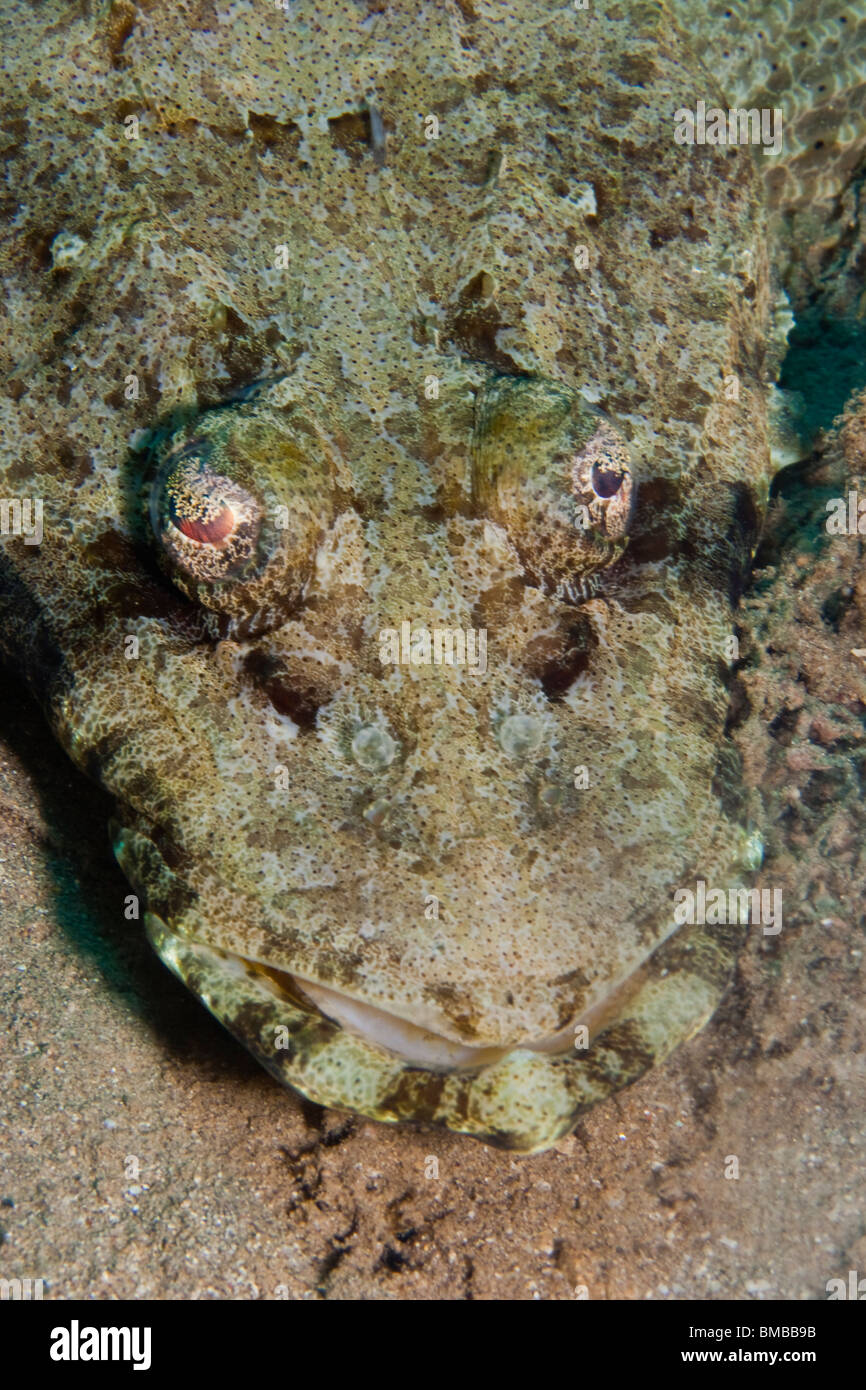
pixel 373 748
pixel 521 735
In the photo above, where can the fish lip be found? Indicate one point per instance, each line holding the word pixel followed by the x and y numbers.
pixel 409 1043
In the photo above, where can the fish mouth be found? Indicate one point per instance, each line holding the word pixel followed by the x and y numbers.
pixel 409 1043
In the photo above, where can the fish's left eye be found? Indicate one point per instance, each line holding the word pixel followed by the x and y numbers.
pixel 606 481
pixel 602 480
pixel 240 501
pixel 556 476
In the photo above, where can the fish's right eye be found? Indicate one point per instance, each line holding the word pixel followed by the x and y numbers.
pixel 239 503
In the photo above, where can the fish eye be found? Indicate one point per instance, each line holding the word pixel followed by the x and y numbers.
pixel 602 480
pixel 556 476
pixel 207 524
pixel 201 514
pixel 606 481
pixel 239 501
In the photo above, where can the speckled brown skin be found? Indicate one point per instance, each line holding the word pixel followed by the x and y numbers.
pixel 806 58
pixel 268 850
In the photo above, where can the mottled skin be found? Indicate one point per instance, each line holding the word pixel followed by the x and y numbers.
pixel 270 851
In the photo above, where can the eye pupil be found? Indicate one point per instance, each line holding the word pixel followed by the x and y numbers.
pixel 209 527
pixel 606 481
